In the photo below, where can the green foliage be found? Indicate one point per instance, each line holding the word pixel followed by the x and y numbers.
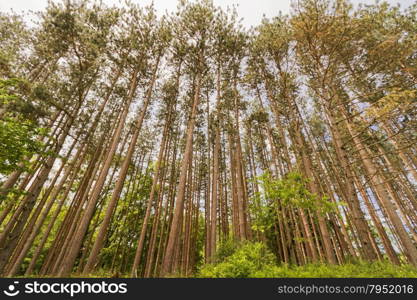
pixel 245 260
pixel 225 249
pixel 17 141
pixel 255 260
pixel 379 269
pixel 289 191
pixel 263 214
pixel 396 99
pixel 292 191
pixel 20 98
pixel 18 130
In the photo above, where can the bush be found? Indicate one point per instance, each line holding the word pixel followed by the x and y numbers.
pixel 246 259
pixel 226 248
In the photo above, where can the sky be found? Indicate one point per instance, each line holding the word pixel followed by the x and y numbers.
pixel 251 11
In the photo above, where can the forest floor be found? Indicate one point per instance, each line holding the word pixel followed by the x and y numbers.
pixel 255 260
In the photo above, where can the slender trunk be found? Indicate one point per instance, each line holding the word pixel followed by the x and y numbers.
pixel 78 237
pixel 179 201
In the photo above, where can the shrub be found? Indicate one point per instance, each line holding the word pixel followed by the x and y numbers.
pixel 245 260
pixel 226 249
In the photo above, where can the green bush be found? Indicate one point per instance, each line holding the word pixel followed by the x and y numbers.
pixel 245 260
pixel 225 249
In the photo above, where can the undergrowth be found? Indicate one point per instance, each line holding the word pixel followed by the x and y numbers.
pixel 255 260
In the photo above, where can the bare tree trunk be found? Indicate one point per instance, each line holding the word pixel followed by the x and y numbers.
pixel 179 202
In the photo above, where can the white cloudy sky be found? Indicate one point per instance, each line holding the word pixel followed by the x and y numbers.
pixel 250 10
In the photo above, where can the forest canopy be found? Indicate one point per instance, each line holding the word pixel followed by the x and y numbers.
pixel 144 145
